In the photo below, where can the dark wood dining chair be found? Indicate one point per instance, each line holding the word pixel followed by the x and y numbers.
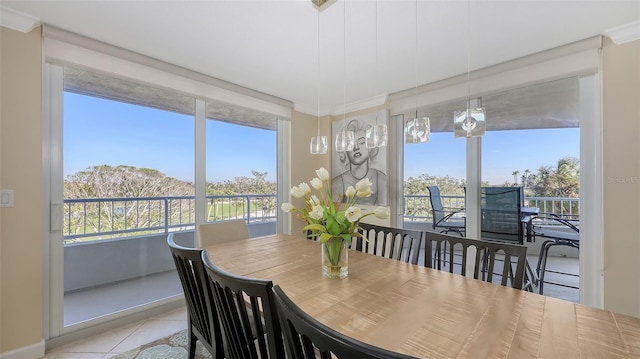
pixel 395 243
pixel 247 314
pixel 489 258
pixel 307 338
pixel 203 324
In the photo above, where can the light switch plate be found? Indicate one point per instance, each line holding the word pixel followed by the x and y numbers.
pixel 6 198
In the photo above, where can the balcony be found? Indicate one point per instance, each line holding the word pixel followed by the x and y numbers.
pixel 119 260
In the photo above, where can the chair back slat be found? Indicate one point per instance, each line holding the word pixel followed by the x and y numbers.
pixel 247 311
pixel 203 319
pixel 394 243
pixel 488 255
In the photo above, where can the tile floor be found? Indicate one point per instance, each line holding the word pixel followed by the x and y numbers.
pixel 122 339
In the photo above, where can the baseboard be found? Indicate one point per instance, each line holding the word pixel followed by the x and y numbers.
pixel 33 351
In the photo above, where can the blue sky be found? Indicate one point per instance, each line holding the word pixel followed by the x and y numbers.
pixel 98 131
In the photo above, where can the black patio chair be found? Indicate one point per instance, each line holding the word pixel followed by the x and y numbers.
pixel 445 219
pixel 559 231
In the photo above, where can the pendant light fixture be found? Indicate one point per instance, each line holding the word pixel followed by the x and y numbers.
pixel 345 140
pixel 376 135
pixel 470 122
pixel 318 145
pixel 418 129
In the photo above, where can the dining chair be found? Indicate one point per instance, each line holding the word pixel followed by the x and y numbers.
pixel 247 314
pixel 395 243
pixel 307 338
pixel 488 258
pixel 203 324
pixel 445 220
pixel 223 231
pixel 559 231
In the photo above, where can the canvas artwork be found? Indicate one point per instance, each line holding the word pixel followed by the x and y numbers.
pixel 352 166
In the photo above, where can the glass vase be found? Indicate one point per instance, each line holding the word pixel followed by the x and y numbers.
pixel 335 258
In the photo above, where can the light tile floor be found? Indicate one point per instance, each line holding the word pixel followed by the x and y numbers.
pixel 131 336
pixel 123 339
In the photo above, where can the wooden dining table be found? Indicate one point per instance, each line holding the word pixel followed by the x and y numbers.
pixel 429 313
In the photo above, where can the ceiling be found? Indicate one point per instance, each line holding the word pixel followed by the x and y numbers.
pixel 272 46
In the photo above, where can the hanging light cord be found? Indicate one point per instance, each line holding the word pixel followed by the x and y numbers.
pixel 468 57
pixel 344 60
pixel 416 87
pixel 376 77
pixel 318 73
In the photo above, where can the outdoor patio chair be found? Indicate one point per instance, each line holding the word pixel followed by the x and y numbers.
pixel 247 314
pixel 307 338
pixel 502 221
pixel 395 243
pixel 490 258
pixel 445 219
pixel 559 231
pixel 203 322
pixel 220 232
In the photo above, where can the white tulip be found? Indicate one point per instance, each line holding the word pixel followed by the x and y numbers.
pixel 287 207
pixel 381 212
pixel 364 185
pixel 304 187
pixel 350 192
pixel 323 174
pixel 353 214
pixel 316 183
pixel 317 212
pixel 296 192
pixel 364 193
pixel 314 200
pixel 300 190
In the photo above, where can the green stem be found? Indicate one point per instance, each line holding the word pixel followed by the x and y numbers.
pixel 333 249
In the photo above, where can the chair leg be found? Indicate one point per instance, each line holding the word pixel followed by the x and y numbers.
pixel 542 247
pixel 543 266
pixel 192 343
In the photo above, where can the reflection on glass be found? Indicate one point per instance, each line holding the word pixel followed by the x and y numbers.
pixel 417 130
pixel 381 135
pixel 318 145
pixel 469 122
pixel 345 141
pixel 370 136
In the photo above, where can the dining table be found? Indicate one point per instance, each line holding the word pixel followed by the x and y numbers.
pixel 428 313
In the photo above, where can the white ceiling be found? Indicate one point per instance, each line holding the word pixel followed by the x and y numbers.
pixel 272 46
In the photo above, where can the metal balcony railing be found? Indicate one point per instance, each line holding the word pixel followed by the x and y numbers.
pixel 417 208
pixel 103 218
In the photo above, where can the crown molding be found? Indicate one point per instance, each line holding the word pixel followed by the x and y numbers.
pixel 17 20
pixel 342 109
pixel 360 105
pixel 624 33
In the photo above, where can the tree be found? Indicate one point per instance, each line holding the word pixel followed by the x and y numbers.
pixel 515 177
pixel 122 181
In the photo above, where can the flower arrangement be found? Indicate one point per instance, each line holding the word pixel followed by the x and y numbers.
pixel 333 223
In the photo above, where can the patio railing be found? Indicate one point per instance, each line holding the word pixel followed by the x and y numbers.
pixel 101 218
pixel 418 207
